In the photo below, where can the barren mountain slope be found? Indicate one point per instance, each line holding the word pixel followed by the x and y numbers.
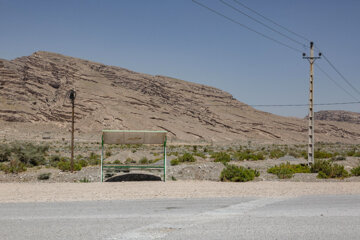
pixel 33 90
pixel 339 116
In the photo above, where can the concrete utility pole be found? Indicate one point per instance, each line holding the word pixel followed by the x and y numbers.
pixel 311 60
pixel 72 95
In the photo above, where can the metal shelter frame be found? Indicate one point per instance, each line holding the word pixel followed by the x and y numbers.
pixel 132 137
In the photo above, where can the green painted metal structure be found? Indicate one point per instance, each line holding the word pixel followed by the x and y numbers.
pixel 127 137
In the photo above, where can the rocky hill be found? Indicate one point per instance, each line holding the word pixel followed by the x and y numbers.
pixel 33 103
pixel 338 116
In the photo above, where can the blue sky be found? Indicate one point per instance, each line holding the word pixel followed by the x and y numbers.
pixel 178 38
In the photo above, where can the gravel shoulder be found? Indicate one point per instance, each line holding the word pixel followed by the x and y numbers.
pixel 59 192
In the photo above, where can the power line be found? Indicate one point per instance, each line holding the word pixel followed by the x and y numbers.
pixel 281 43
pixel 341 75
pixel 244 26
pixel 288 105
pixel 337 84
pixel 265 25
pixel 272 21
pixel 301 36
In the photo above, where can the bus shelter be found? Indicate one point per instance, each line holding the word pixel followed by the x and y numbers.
pixel 132 137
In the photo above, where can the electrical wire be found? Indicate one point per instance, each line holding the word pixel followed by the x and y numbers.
pixel 326 59
pixel 244 26
pixel 281 43
pixel 272 21
pixel 335 82
pixel 341 75
pixel 265 25
pixel 288 105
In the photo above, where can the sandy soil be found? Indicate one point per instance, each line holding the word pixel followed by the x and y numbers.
pixel 55 192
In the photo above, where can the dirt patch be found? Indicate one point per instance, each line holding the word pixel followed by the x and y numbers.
pixel 57 192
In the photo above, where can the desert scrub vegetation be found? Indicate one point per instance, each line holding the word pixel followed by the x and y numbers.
pixel 320 154
pixel 287 170
pixel 277 153
pixel 65 166
pixel 356 171
pixel 222 157
pixel 174 162
pixel 44 176
pixel 232 173
pixel 200 154
pixel 144 160
pixel 129 160
pixel 186 157
pixel 155 160
pixel 84 180
pixel 353 153
pixel 16 157
pixel 108 153
pixel 248 155
pixel 14 166
pixel 94 159
pixel 63 163
pixel 328 169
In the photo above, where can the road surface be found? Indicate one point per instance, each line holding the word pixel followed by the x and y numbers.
pixel 306 217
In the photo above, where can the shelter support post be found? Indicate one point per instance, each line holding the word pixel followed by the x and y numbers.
pixel 102 157
pixel 165 160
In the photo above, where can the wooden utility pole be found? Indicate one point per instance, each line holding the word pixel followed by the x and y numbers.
pixel 311 103
pixel 72 96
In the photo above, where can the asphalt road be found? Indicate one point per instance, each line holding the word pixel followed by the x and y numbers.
pixel 311 217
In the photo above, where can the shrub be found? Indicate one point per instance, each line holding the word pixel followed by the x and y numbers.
pixel 327 169
pixel 174 162
pixel 187 157
pixel 108 153
pixel 338 158
pixel 248 155
pixel 30 154
pixel 2 167
pixel 44 176
pixel 14 166
pixel 156 160
pixel 356 171
pixel 221 157
pixel 322 154
pixel 55 158
pixel 117 162
pixel 287 170
pixel 232 173
pixel 144 160
pixel 200 154
pixel 276 153
pixel 82 163
pixel 84 180
pixel 129 160
pixel 94 159
pixel 5 153
pixel 304 154
pixel 294 154
pixel 65 166
pixel 351 153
